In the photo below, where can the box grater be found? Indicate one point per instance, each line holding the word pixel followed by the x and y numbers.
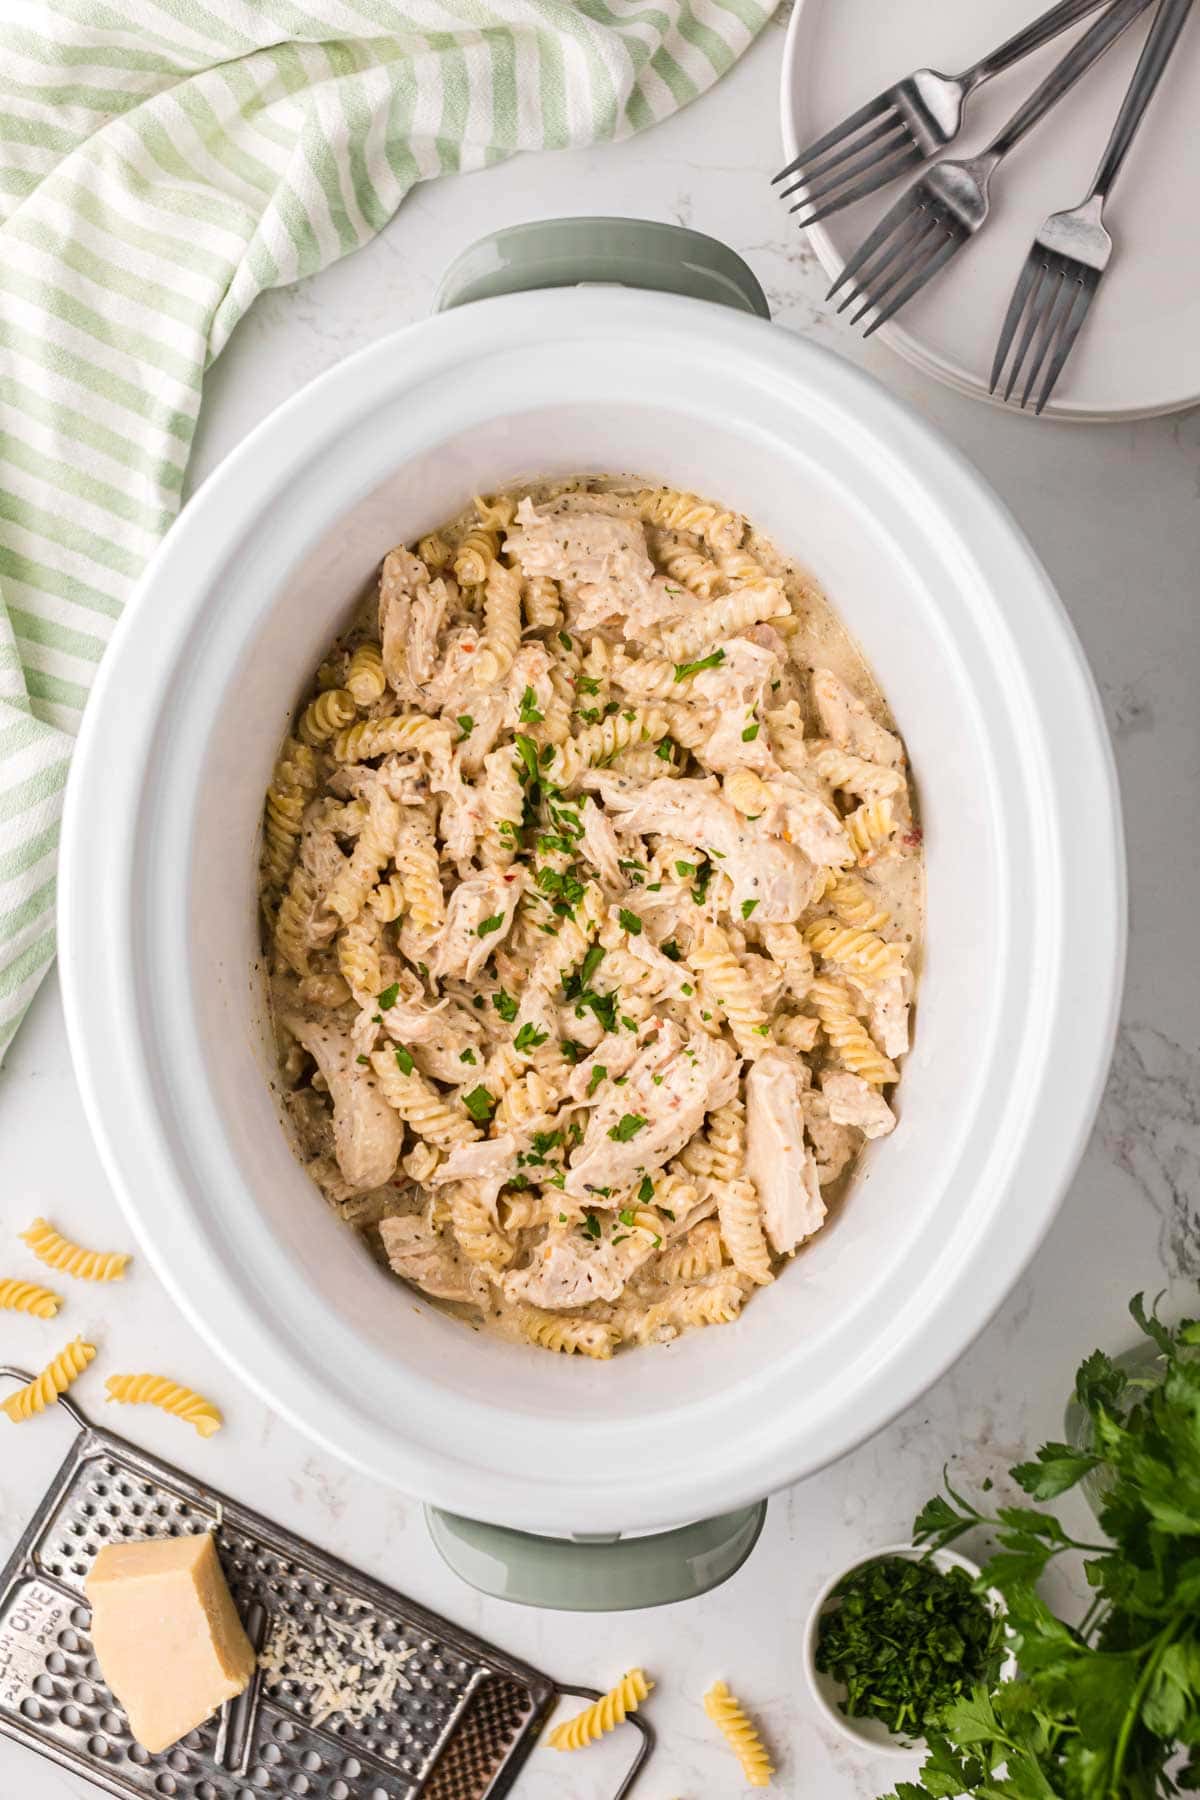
pixel 459 1730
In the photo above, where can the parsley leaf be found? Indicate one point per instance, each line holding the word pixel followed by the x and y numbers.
pixel 671 950
pixel 591 1225
pixel 404 1060
pixel 630 920
pixel 529 1037
pixel 489 925
pixel 750 733
pixel 598 1074
pixel 389 995
pixel 748 907
pixel 481 1104
pixel 467 1056
pixel 646 1190
pixel 466 725
pixel 529 714
pixel 505 1005
pixel 626 1127
pixel 683 670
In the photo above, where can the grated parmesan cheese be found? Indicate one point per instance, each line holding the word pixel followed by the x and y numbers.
pixel 336 1665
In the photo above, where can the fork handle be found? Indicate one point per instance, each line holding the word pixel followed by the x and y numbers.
pixel 1078 60
pixel 1156 52
pixel 1057 19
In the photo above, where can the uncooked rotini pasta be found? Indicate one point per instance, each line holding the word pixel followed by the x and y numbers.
pixel 155 1390
pixel 603 1715
pixel 54 1380
pixel 28 1297
pixel 71 1259
pixel 583 1006
pixel 728 1715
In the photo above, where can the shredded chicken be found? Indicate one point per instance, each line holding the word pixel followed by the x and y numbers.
pixel 367 1134
pixel 478 918
pixel 429 1258
pixel 852 1102
pixel 845 720
pixel 778 1161
pixel 774 877
pixel 696 1077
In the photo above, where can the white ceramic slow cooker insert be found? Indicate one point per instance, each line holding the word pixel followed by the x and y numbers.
pixel 1022 972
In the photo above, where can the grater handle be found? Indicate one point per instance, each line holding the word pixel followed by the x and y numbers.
pixel 23 1377
pixel 617 1575
pixel 639 1724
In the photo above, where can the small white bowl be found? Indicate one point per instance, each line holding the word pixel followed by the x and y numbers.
pixel 873 1734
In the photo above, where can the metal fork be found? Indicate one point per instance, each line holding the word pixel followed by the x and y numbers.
pixel 906 124
pixel 949 203
pixel 1071 251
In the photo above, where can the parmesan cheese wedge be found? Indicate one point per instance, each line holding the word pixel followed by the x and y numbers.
pixel 166 1634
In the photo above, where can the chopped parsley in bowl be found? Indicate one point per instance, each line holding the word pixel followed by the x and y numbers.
pixel 896 1639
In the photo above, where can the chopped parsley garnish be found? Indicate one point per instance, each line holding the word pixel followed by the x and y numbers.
pixel 665 749
pixel 588 685
pixel 467 1056
pixel 546 1140
pixel 683 670
pixel 529 714
pixel 489 925
pixel 750 733
pixel 657 1080
pixel 528 752
pixel 748 907
pixel 703 877
pixel 505 1005
pixel 598 1074
pixel 404 1060
pixel 591 1225
pixel 627 1126
pixel 671 950
pixel 548 843
pixel 364 1060
pixel 684 869
pixel 620 1080
pixel 630 920
pixel 667 1213
pixel 573 1050
pixel 466 725
pixel 627 1216
pixel 481 1104
pixel 646 1190
pixel 628 1023
pixel 562 1218
pixel 687 989
pixel 630 713
pixel 529 1037
pixel 564 639
pixel 591 715
pixel 547 756
pixel 389 995
pixel 567 888
pixel 591 962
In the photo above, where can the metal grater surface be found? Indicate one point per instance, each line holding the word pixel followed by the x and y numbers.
pixel 460 1732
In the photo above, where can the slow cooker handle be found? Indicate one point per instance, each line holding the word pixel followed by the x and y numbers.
pixel 637 253
pixel 588 1574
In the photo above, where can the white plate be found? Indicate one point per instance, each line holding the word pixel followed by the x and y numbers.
pixel 1140 351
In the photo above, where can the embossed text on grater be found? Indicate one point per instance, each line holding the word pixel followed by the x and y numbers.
pixel 458 1730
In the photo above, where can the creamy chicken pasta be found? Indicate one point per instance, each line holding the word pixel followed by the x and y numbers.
pixel 592 888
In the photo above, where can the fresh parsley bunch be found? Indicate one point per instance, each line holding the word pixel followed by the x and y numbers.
pixel 1108 1709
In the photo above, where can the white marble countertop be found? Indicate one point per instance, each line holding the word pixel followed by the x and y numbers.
pixel 1115 514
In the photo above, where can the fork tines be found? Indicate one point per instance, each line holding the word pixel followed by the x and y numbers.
pixel 1052 295
pixel 864 152
pixel 908 246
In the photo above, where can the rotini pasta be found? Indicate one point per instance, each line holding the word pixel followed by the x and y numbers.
pixel 603 1715
pixel 728 1715
pixel 155 1390
pixel 562 945
pixel 28 1297
pixel 71 1259
pixel 54 1380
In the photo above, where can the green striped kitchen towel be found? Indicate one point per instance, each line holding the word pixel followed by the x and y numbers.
pixel 161 163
